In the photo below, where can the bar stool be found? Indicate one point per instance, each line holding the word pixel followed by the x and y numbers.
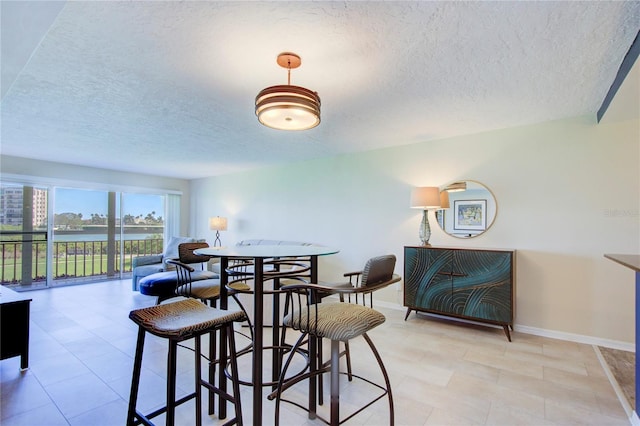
pixel 177 322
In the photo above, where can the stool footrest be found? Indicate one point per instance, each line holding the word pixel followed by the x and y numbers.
pixel 145 418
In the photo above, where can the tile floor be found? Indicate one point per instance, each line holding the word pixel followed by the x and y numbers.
pixel 442 372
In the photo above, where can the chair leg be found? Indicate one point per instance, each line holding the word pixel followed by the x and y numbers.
pixel 335 382
pixel 347 354
pixel 250 325
pixel 386 377
pixel 277 394
pixel 135 380
pixel 235 379
pixel 212 369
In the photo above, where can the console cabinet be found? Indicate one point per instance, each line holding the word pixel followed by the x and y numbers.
pixel 14 325
pixel 473 284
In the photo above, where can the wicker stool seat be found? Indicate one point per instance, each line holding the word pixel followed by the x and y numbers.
pixel 179 321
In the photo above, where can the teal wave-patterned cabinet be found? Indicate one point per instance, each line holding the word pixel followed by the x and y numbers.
pixel 474 284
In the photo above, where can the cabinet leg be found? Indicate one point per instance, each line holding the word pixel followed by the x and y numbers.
pixel 506 331
pixel 407 315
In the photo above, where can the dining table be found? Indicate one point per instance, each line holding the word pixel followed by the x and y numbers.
pixel 265 266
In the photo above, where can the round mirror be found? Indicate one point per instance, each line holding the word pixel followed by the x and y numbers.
pixel 469 209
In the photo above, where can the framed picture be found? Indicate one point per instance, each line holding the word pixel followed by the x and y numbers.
pixel 470 215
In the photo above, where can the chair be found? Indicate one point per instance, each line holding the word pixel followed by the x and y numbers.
pixel 177 322
pixel 163 284
pixel 142 266
pixel 207 290
pixel 338 322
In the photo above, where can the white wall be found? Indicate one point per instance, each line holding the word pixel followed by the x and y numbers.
pixel 567 192
pixel 46 172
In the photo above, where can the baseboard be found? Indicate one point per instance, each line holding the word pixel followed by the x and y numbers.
pixel 578 338
pixel 553 334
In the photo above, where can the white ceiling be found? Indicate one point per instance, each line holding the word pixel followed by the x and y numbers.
pixel 168 88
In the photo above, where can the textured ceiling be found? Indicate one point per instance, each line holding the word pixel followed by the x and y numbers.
pixel 168 88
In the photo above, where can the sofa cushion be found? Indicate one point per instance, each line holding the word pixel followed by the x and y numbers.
pixel 145 270
pixel 171 250
pixel 158 284
pixel 165 283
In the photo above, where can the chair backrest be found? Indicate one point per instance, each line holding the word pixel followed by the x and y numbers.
pixel 183 271
pixel 378 270
pixel 186 255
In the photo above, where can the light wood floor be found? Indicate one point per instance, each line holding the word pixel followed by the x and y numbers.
pixel 442 372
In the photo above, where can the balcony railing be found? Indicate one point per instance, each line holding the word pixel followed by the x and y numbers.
pixel 72 260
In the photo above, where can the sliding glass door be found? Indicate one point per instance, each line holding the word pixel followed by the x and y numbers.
pixel 61 236
pixel 84 235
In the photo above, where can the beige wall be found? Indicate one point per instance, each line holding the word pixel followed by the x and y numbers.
pixel 567 192
pixel 46 172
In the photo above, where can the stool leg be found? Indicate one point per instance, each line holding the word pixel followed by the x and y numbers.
pixel 135 379
pixel 171 382
pixel 198 381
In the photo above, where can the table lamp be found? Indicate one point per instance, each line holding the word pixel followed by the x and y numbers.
pixel 218 224
pixel 425 198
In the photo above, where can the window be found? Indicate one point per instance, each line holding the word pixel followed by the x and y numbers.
pixel 92 235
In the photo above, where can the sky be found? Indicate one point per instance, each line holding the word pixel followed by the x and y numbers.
pixel 90 202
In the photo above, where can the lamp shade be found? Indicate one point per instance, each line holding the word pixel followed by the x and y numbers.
pixel 444 200
pixel 425 197
pixel 218 223
pixel 288 108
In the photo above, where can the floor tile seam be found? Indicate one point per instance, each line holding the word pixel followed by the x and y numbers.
pixel 549 387
pixel 538 375
pixel 497 405
pixel 118 397
pixel 546 361
pixel 589 383
pixel 23 413
pixel 89 372
pixel 471 407
pixel 69 419
pixel 500 386
pixel 51 399
pixel 594 417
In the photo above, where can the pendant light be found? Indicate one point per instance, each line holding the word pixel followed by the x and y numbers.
pixel 288 107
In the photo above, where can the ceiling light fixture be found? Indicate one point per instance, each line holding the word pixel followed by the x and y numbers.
pixel 288 107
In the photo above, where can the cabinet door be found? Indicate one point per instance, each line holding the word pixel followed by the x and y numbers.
pixel 428 281
pixel 482 285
